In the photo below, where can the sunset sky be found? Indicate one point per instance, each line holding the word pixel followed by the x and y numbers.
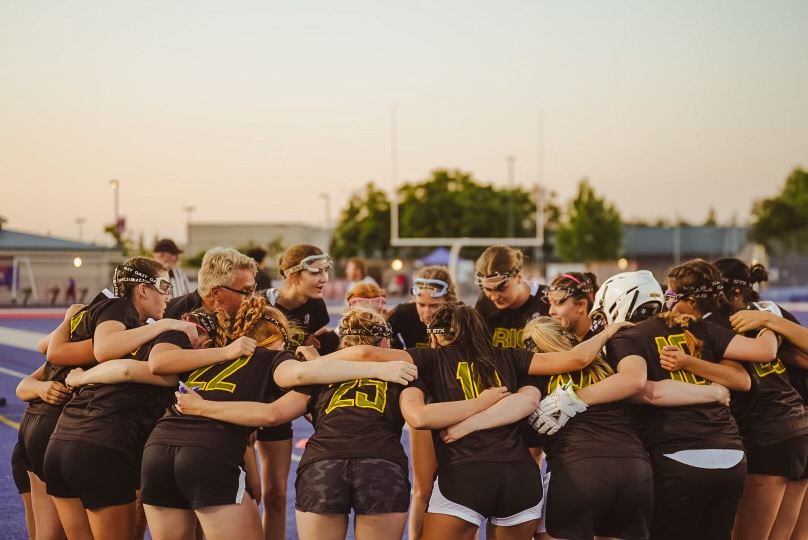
pixel 248 111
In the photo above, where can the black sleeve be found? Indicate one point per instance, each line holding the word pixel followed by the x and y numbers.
pixel 521 359
pixel 122 311
pixel 174 337
pixel 319 316
pixel 787 315
pixel 394 320
pixel 329 342
pixel 621 346
pixel 718 339
pixel 423 358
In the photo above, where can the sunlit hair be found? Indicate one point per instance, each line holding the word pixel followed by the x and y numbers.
pixel 500 259
pixel 362 291
pixel 294 255
pixel 738 278
pixel 361 318
pixel 441 273
pixel 252 320
pixel 219 267
pixel 215 324
pixel 144 265
pixel 550 335
pixel 695 345
pixel 699 280
pixel 578 280
pixel 470 337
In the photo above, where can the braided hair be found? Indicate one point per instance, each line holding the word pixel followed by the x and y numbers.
pixel 262 322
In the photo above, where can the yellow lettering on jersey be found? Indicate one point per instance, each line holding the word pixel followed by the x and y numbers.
pixel 379 403
pixel 680 342
pixel 465 373
pixel 579 379
pixel 508 338
pixel 134 353
pixel 76 319
pixel 218 381
pixel 767 368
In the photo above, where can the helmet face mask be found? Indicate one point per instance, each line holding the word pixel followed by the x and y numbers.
pixel 630 296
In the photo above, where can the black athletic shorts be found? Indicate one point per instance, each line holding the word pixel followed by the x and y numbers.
pixel 19 472
pixel 368 485
pixel 506 493
pixel 787 458
pixel 35 432
pixel 281 432
pixel 611 497
pixel 188 477
pixel 691 502
pixel 99 476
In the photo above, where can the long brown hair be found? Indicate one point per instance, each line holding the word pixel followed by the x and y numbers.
pixel 470 337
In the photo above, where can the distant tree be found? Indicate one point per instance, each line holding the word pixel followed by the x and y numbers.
pixel 781 223
pixel 453 204
pixel 364 226
pixel 591 230
pixel 711 220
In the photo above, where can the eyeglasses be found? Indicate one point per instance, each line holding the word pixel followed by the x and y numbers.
pixel 304 265
pixel 162 285
pixel 247 291
pixel 438 286
pixel 495 282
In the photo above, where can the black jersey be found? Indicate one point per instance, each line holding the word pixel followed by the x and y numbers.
pixel 604 430
pixel 307 318
pixel 691 427
pixel 179 306
pixel 112 415
pixel 771 411
pixel 408 330
pixel 248 378
pixel 445 376
pixel 360 418
pixel 506 325
pixel 80 325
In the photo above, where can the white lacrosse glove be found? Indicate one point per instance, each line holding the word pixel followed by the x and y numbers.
pixel 766 305
pixel 556 409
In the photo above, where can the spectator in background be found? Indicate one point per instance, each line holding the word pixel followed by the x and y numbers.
pixel 356 272
pixel 70 291
pixel 262 279
pixel 167 253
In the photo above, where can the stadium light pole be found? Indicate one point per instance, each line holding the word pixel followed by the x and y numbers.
pixel 510 160
pixel 80 221
pixel 188 211
pixel 115 186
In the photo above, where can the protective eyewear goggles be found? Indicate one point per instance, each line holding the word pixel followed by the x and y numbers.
pixel 305 264
pixel 127 274
pixel 558 295
pixel 495 282
pixel 379 302
pixel 672 298
pixel 439 287
pixel 376 330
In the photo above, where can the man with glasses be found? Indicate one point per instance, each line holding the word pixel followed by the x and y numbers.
pixel 226 279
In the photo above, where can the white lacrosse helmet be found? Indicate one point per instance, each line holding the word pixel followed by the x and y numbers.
pixel 627 295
